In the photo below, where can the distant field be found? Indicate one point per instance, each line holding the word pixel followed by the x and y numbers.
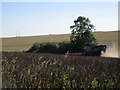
pixel 24 43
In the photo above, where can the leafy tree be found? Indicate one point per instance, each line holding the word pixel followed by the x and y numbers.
pixel 82 33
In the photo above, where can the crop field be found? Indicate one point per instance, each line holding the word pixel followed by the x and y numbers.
pixel 30 70
pixel 38 70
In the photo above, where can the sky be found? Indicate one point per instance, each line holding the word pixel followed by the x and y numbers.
pixel 118 15
pixel 43 18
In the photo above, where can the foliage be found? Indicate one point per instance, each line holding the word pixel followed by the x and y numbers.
pixel 51 47
pixel 31 70
pixel 82 32
pixel 35 47
pixel 94 84
pixel 64 47
pixel 47 48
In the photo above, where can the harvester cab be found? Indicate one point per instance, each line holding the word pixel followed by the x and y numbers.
pixel 92 49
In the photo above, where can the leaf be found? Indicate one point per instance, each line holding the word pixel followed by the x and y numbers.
pixel 28 71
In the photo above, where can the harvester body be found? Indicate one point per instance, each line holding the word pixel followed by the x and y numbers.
pixel 93 49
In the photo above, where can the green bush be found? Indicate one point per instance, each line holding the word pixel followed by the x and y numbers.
pixel 43 48
pixel 35 47
pixel 51 47
pixel 47 48
pixel 64 47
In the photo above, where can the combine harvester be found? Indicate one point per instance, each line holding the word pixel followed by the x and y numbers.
pixel 91 50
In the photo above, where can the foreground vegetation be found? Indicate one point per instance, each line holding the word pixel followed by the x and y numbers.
pixel 30 70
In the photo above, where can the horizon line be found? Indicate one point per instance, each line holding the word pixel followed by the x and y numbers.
pixel 47 34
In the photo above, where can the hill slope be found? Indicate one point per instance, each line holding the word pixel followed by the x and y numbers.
pixel 24 43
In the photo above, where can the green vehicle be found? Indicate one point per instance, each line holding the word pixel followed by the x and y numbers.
pixel 93 49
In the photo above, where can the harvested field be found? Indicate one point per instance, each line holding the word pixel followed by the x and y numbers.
pixel 24 43
pixel 25 70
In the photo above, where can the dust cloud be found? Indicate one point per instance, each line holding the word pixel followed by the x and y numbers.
pixel 111 51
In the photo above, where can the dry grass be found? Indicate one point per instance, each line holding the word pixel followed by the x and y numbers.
pixel 24 43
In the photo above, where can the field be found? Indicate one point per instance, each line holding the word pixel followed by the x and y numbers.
pixel 33 70
pixel 24 43
pixel 25 70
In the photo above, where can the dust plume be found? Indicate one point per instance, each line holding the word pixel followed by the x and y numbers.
pixel 111 51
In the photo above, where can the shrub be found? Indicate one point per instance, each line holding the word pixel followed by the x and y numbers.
pixel 35 47
pixel 64 47
pixel 51 47
pixel 47 48
pixel 43 48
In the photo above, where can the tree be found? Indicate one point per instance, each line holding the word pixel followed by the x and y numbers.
pixel 82 33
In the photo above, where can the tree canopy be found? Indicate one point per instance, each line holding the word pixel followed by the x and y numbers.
pixel 82 32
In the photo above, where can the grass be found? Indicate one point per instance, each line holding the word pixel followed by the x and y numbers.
pixel 24 43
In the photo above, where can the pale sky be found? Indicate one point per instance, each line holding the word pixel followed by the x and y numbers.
pixel 43 18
